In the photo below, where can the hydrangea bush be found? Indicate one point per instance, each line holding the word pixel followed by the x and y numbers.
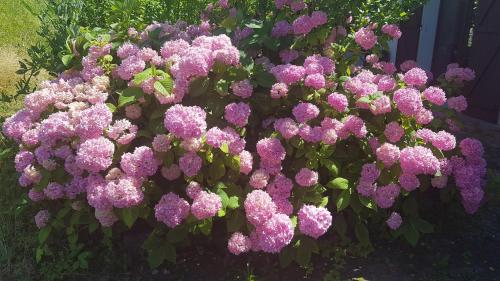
pixel 279 131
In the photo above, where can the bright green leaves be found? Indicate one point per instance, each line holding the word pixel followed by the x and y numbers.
pixel 159 250
pixel 43 234
pixel 143 76
pixel 165 85
pixel 300 252
pixel 129 96
pixel 339 183
pixel 342 201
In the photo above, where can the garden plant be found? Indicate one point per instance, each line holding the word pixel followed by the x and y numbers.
pixel 273 131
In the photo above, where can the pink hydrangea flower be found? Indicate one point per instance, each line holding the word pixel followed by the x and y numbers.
pixel 93 121
pixel 306 177
pixel 369 172
pixel 394 132
pixel 288 55
pixel 140 163
pixel 124 192
pixel 15 126
pixel 186 121
pixel 242 89
pixel 246 162
pixel 54 191
pixel 385 196
pixel 314 221
pixel 315 81
pixel 409 182
pixel 190 163
pixel 408 101
pixel 95 155
pixel 133 111
pixel 366 38
pixel 171 210
pixel 435 95
pixel 238 243
pixel 407 65
pixel 303 25
pixel 259 179
pixel 381 105
pixel 237 113
pixel 288 73
pixel 439 182
pixel 304 112
pixel 388 154
pixel 418 160
pixel 281 28
pixel 193 189
pixel 386 83
pixel 394 221
pixel 424 117
pixel 259 207
pixel 457 103
pixel 161 143
pixel 392 30
pixel 275 233
pixel 338 101
pixel 286 127
pixel 415 77
pixel 471 147
pixel 279 90
pixel 444 141
pixel 206 205
pixel 42 218
pixel 171 173
pixel 105 217
pixel 271 150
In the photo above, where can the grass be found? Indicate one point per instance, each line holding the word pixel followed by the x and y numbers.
pixel 17 242
pixel 17 32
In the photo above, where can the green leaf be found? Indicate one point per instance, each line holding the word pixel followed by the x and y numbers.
pixel 199 87
pixel 339 183
pixel 66 59
pixel 229 23
pixel 169 158
pixel 343 200
pixel 39 254
pixel 286 256
pixel 340 225
pixel 177 234
pixel 303 256
pixel 170 252
pixel 422 225
pixel 324 202
pixel 225 148
pixel 411 234
pixel 254 25
pixel 129 96
pixel 43 234
pixel 265 79
pixel 111 107
pixel 142 76
pixel 206 226
pixel 362 233
pixel 294 221
pixel 234 202
pixel 331 166
pixel 217 169
pixel 235 221
pixel 165 85
pixel 364 100
pixel 156 256
pixel 129 215
pixel 224 198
